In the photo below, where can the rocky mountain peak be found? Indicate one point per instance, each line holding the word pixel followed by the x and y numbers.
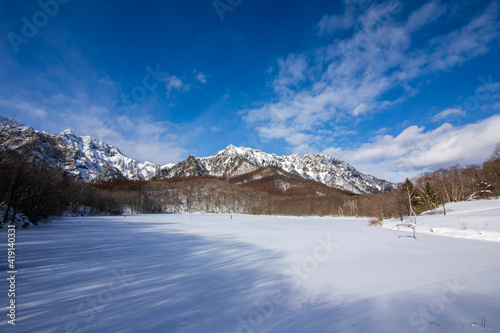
pixel 88 159
pixel 322 168
pixel 68 133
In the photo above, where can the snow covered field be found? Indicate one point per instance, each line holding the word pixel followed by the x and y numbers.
pixel 211 273
pixel 473 220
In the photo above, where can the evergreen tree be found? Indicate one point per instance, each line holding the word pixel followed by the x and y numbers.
pixel 430 197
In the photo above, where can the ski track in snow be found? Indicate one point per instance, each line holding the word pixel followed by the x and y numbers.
pixel 214 273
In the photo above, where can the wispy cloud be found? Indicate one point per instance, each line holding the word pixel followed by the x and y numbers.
pixel 21 106
pixel 451 112
pixel 172 82
pixel 175 84
pixel 202 78
pixel 332 23
pixel 378 67
pixel 292 72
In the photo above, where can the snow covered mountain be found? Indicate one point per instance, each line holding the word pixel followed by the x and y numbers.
pixel 88 159
pixel 84 158
pixel 234 161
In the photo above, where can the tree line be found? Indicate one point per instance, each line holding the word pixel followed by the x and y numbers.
pixel 433 190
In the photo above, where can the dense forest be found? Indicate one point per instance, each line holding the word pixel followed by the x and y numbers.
pixel 33 185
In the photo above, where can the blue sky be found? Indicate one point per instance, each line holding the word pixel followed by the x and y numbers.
pixel 394 88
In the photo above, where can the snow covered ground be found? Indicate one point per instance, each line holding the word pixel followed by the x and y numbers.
pixel 473 220
pixel 211 273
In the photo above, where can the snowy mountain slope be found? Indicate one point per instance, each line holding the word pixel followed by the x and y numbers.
pixel 86 158
pixel 318 167
pixel 89 158
pixel 36 147
pixel 274 180
pixel 217 166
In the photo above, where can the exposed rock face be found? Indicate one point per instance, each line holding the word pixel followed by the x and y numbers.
pixel 234 161
pixel 88 159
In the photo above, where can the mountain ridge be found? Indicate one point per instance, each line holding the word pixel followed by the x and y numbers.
pixel 318 167
pixel 89 159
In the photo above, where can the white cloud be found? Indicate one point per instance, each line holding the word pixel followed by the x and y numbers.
pixel 360 109
pixel 415 150
pixel 291 74
pixel 215 128
pixel 333 23
pixel 106 81
pixel 21 106
pixel 425 15
pixel 451 112
pixel 174 83
pixel 302 149
pixel 351 77
pixel 154 150
pixel 202 78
